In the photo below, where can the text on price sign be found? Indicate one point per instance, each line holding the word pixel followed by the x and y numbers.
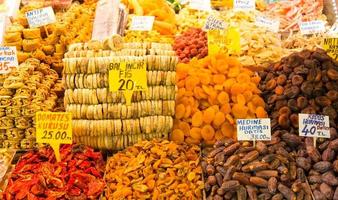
pixel 311 125
pixel 253 129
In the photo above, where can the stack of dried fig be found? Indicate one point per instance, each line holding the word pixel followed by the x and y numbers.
pixel 287 167
pixel 304 82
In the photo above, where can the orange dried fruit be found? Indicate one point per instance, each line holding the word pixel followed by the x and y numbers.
pixel 185 127
pixel 190 140
pixel 239 111
pixel 279 90
pixel 179 111
pixel 234 72
pixel 177 136
pixel 256 79
pixel 228 84
pixel 223 98
pixel 208 132
pixel 226 108
pixel 258 101
pixel 241 99
pixel 218 78
pixel 197 119
pixel 219 119
pixel 227 129
pixel 208 115
pixel 219 135
pixel 243 78
pixel 248 95
pixel 260 112
pixel 187 111
pixel 237 88
pixel 191 82
pixel 195 133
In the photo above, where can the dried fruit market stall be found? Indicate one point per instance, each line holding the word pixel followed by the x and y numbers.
pixel 145 99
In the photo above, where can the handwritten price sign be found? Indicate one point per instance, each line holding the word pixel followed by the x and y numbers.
pixel 253 129
pixel 54 128
pixel 311 125
pixel 8 59
pixel 128 77
pixel 40 17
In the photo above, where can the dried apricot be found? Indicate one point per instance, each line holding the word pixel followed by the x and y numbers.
pixel 219 119
pixel 177 136
pixel 260 112
pixel 223 98
pixel 239 111
pixel 197 119
pixel 185 127
pixel 218 78
pixel 243 78
pixel 237 88
pixel 207 132
pixel 226 108
pixel 195 133
pixel 241 99
pixel 208 115
pixel 227 129
pixel 179 111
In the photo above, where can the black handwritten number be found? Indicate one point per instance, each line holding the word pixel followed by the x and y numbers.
pixel 126 85
pixel 47 135
pixel 57 135
pixel 63 135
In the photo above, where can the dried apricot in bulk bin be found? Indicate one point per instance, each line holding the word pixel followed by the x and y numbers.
pixel 212 93
pixel 156 169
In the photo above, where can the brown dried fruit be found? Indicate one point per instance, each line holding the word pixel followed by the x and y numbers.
pixel 287 193
pixel 322 166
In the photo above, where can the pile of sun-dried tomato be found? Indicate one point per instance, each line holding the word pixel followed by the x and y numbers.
pixel 37 175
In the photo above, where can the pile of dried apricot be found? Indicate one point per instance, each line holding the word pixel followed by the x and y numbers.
pixel 212 93
pixel 156 169
pixel 192 43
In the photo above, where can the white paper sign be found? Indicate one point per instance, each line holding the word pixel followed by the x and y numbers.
pixel 40 17
pixel 203 5
pixel 311 125
pixel 268 23
pixel 213 23
pixel 254 129
pixel 312 27
pixel 142 23
pixel 8 59
pixel 244 5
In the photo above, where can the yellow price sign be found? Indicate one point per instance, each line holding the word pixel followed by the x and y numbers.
pixel 331 47
pixel 128 77
pixel 224 40
pixel 54 128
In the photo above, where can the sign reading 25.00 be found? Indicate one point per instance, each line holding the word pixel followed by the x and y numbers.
pixel 127 78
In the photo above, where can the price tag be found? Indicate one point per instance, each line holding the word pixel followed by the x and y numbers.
pixel 331 47
pixel 40 17
pixel 312 27
pixel 253 129
pixel 270 24
pixel 311 125
pixel 54 128
pixel 8 59
pixel 224 40
pixel 203 5
pixel 128 77
pixel 142 23
pixel 214 23
pixel 244 5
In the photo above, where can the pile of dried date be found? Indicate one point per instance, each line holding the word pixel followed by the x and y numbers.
pixel 304 82
pixel 284 168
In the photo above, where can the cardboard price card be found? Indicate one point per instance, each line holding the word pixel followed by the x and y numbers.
pixel 8 59
pixel 312 125
pixel 214 23
pixel 265 22
pixel 244 5
pixel 127 78
pixel 331 47
pixel 312 27
pixel 54 128
pixel 253 129
pixel 40 17
pixel 203 5
pixel 142 23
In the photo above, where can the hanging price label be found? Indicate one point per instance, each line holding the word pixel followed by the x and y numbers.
pixel 224 40
pixel 40 17
pixel 253 129
pixel 265 22
pixel 244 5
pixel 54 128
pixel 142 23
pixel 203 5
pixel 311 125
pixel 8 59
pixel 312 27
pixel 331 47
pixel 128 77
pixel 214 23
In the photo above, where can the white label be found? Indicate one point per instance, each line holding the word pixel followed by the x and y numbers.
pixel 8 59
pixel 311 125
pixel 40 17
pixel 270 24
pixel 244 5
pixel 253 129
pixel 203 5
pixel 312 27
pixel 142 23
pixel 213 23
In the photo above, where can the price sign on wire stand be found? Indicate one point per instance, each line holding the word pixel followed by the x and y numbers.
pixel 268 23
pixel 54 128
pixel 127 78
pixel 312 27
pixel 254 130
pixel 40 17
pixel 8 59
pixel 213 23
pixel 142 23
pixel 244 5
pixel 331 47
pixel 312 125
